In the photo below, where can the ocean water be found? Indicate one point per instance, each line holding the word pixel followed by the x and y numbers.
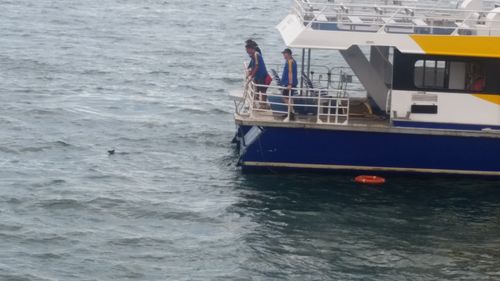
pixel 150 80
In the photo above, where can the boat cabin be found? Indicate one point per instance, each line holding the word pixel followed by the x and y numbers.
pixel 407 65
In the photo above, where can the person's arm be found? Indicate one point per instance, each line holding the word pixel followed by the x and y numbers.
pixel 284 76
pixel 290 74
pixel 295 77
pixel 255 67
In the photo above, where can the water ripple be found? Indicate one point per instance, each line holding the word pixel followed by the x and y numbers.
pixel 149 80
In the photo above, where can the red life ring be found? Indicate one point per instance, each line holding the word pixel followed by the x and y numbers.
pixel 369 180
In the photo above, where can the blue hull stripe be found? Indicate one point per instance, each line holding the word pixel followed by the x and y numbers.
pixel 360 150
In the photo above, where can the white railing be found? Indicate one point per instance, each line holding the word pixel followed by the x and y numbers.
pixel 382 16
pixel 322 76
pixel 320 106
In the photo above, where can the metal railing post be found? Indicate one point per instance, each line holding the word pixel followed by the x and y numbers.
pixel 347 116
pixel 308 62
pixel 329 120
pixel 318 114
pixel 302 70
pixel 336 111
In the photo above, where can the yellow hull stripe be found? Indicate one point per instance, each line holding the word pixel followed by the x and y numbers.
pixel 490 98
pixel 474 46
pixel 366 168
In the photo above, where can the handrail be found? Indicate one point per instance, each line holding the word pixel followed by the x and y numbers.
pixel 316 16
pixel 381 3
pixel 318 73
pixel 462 24
pixel 328 106
pixel 390 19
pixel 434 19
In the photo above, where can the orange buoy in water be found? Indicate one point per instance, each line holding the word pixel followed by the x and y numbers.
pixel 369 180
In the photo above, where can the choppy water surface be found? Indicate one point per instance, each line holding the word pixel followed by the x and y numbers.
pixel 150 79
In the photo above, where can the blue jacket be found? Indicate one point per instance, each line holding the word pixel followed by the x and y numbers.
pixel 258 62
pixel 289 76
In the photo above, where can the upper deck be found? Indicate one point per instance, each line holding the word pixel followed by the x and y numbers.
pixel 406 25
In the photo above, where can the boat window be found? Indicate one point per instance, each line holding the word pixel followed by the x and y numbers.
pixel 430 74
pixel 475 77
pixel 449 75
pixel 468 76
pixel 454 74
pixel 457 75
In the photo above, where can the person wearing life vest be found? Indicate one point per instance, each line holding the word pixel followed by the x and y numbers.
pixel 257 69
pixel 289 80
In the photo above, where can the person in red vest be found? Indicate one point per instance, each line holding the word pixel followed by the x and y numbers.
pixel 257 71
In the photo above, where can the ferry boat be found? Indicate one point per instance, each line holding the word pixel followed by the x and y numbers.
pixel 421 93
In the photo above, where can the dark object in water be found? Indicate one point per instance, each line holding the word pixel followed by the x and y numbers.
pixel 111 152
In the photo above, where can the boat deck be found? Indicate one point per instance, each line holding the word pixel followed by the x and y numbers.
pixel 339 104
pixel 355 120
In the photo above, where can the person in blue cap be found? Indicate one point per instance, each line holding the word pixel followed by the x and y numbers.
pixel 289 79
